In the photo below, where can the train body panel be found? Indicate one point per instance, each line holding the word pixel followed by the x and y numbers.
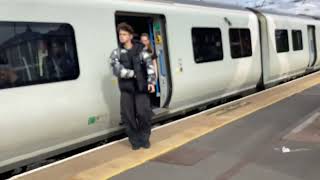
pixel 211 80
pixel 282 65
pixel 42 118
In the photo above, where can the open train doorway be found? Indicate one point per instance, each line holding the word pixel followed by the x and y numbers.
pixel 154 27
pixel 312 46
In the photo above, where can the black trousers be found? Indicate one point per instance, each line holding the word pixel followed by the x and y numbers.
pixel 136 115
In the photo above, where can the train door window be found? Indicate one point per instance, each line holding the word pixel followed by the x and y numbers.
pixel 297 40
pixel 36 53
pixel 240 42
pixel 153 27
pixel 207 44
pixel 282 40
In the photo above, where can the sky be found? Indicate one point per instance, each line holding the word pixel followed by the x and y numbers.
pixel 308 7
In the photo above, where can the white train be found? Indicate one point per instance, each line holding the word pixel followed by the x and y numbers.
pixel 207 52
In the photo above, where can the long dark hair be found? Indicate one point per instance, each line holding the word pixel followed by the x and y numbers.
pixel 149 47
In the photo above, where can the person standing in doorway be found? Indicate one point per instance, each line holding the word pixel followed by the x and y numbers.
pixel 133 67
pixel 145 40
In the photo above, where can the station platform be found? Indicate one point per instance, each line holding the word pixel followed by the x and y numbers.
pixel 274 134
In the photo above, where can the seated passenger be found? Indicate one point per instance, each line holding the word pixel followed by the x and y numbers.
pixel 8 78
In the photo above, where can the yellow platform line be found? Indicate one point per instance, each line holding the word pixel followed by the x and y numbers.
pixel 203 126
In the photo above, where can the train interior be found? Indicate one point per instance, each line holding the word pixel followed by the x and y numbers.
pixel 153 25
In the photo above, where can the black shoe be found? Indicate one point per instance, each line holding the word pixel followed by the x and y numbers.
pixel 135 147
pixel 146 145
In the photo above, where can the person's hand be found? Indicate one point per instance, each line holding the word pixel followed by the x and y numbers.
pixel 131 74
pixel 3 76
pixel 151 88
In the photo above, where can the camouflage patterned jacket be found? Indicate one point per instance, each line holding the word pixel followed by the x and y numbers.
pixel 124 70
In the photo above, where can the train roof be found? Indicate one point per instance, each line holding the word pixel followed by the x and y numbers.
pixel 201 3
pixel 234 7
pixel 92 2
pixel 272 12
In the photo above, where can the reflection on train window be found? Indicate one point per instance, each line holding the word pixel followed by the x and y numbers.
pixel 282 41
pixel 297 40
pixel 207 44
pixel 240 42
pixel 36 53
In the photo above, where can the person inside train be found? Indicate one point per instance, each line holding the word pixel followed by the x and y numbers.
pixel 58 65
pixel 41 55
pixel 133 67
pixel 145 40
pixel 8 77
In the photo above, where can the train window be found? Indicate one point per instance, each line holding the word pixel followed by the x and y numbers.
pixel 240 42
pixel 207 44
pixel 282 41
pixel 297 40
pixel 36 53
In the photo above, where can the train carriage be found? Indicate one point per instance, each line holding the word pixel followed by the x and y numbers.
pixel 206 53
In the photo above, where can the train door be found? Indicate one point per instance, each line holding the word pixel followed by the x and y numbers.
pixel 161 49
pixel 154 26
pixel 312 46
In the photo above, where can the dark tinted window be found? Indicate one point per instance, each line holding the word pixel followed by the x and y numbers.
pixel 207 44
pixel 35 53
pixel 240 42
pixel 282 41
pixel 297 40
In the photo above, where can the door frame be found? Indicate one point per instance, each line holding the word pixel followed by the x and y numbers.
pixel 313 29
pixel 162 17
